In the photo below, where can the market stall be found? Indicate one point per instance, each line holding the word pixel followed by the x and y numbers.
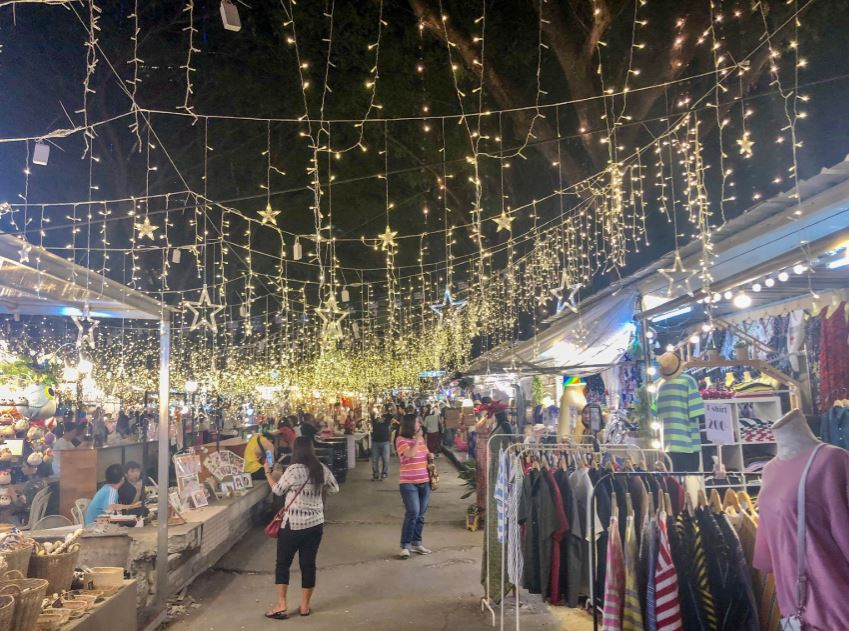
pixel 35 282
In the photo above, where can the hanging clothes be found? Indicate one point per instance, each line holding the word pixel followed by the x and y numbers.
pixel 537 514
pixel 665 603
pixel 614 583
pixel 650 536
pixel 632 614
pixel 556 538
pixel 570 545
pixel 699 610
pixel 515 561
pixel 493 553
pixel 748 619
pixel 834 426
pixel 834 356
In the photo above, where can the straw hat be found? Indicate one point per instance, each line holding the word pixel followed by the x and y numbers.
pixel 670 365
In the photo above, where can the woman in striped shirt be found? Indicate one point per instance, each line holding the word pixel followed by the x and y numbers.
pixel 414 484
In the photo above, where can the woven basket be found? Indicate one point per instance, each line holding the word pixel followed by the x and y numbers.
pixel 7 612
pixel 56 569
pixel 17 560
pixel 28 594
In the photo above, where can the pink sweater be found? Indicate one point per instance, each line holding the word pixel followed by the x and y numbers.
pixel 827 508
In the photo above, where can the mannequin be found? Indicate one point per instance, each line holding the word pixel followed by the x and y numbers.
pixel 679 407
pixel 827 516
pixel 793 435
pixel 572 402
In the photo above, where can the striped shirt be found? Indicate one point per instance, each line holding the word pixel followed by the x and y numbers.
pixel 413 470
pixel 678 406
pixel 632 613
pixel 667 609
pixel 307 509
pixel 614 580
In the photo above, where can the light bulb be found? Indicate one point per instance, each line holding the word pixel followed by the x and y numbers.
pixel 670 348
pixel 694 339
pixel 655 426
pixel 756 287
pixel 649 335
pixel 799 268
pixel 742 301
pixel 651 388
pixel 651 371
pixel 769 282
pixel 655 444
pixel 706 327
pixel 727 295
pixel 783 276
pixel 716 297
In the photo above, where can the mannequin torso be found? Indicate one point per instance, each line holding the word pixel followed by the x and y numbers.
pixel 793 435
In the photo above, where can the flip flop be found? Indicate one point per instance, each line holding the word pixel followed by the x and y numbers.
pixel 304 615
pixel 278 615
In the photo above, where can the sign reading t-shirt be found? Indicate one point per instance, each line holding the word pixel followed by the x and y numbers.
pixel 718 423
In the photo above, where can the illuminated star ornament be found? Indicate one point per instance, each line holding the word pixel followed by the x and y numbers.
pixel 677 268
pixel 146 229
pixel 387 239
pixel 448 301
pixel 85 329
pixel 566 294
pixel 26 248
pixel 204 312
pixel 746 145
pixel 504 221
pixel 331 319
pixel 269 216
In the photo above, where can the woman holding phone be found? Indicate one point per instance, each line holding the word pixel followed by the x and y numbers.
pixel 414 484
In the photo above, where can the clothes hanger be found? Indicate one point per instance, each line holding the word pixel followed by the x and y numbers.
pixel 629 504
pixel 688 504
pixel 715 501
pixel 667 503
pixel 731 501
pixel 614 507
pixel 701 499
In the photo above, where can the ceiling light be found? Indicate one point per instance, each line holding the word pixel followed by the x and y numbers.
pixel 769 282
pixel 727 295
pixel 783 277
pixel 742 301
pixel 756 287
pixel 799 268
pixel 694 339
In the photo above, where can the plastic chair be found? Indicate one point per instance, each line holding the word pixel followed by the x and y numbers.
pixel 79 509
pixel 38 508
pixel 52 521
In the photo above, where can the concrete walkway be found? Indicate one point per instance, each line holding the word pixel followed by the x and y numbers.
pixel 361 583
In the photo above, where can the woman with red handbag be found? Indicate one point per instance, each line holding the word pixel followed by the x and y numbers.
pixel 299 525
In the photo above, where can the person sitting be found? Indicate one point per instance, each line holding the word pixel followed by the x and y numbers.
pixel 105 501
pixel 132 490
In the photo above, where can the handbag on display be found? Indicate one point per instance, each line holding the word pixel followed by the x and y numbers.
pixel 433 474
pixel 796 622
pixel 273 527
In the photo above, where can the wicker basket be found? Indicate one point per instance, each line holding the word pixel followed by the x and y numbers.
pixel 17 560
pixel 28 594
pixel 56 569
pixel 7 612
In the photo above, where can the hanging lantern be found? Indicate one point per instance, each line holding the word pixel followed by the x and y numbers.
pixel 346 296
pixel 297 251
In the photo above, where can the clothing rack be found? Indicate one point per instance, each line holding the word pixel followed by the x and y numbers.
pixel 517 451
pixel 593 513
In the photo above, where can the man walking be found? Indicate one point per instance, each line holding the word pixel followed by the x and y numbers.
pixel 380 429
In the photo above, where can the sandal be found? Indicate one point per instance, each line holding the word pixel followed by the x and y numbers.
pixel 304 615
pixel 277 615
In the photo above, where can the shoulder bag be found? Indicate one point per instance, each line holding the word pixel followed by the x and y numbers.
pixel 273 528
pixel 796 622
pixel 432 473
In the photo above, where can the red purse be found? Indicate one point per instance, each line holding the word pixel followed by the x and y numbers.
pixel 273 527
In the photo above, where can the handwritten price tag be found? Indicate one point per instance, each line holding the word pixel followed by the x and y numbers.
pixel 718 423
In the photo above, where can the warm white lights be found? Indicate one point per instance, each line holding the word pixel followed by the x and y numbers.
pixel 69 373
pixel 742 301
pixel 757 287
pixel 769 282
pixel 727 295
pixel 783 276
pixel 799 268
pixel 84 366
pixel 191 387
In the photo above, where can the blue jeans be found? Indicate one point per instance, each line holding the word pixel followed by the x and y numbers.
pixel 380 451
pixel 415 498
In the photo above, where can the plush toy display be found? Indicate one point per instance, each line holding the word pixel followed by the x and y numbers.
pixel 37 402
pixel 5 477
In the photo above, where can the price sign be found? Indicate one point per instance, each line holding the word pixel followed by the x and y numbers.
pixel 718 423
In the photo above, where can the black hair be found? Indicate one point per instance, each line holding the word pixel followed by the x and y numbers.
pixel 408 426
pixel 132 464
pixel 303 453
pixel 114 474
pixel 122 425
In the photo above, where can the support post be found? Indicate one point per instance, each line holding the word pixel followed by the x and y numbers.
pixel 162 463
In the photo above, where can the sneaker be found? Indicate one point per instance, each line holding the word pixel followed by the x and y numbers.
pixel 405 554
pixel 420 549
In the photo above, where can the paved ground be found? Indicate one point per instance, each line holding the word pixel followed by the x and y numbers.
pixel 361 583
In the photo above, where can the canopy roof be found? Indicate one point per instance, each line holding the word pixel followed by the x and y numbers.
pixel 34 281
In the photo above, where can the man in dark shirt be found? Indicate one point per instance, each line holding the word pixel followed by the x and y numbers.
pixel 380 429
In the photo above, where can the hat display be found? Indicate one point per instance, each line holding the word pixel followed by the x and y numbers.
pixel 670 365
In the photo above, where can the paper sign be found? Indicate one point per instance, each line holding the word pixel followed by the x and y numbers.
pixel 718 423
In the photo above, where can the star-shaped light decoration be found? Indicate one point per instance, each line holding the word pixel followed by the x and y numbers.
pixel 448 301
pixel 146 229
pixel 387 239
pixel 746 144
pixel 504 221
pixel 677 268
pixel 331 319
pixel 269 216
pixel 85 328
pixel 204 312
pixel 566 293
pixel 26 248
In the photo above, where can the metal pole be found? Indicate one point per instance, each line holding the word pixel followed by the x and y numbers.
pixel 162 468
